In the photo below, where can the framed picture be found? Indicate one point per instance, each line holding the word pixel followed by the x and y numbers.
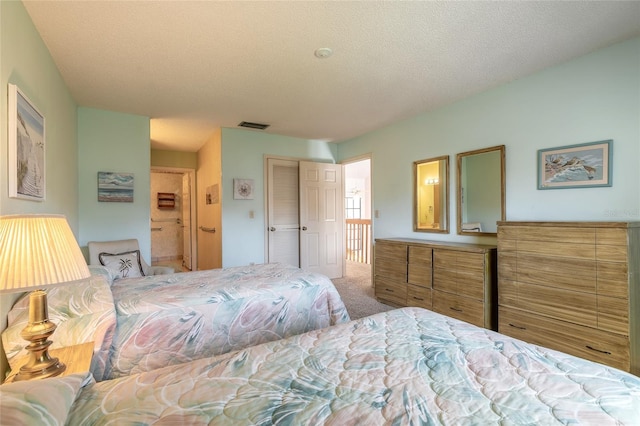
pixel 575 166
pixel 115 187
pixel 243 189
pixel 26 148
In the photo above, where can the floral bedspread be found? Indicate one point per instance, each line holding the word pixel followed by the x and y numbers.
pixel 403 367
pixel 169 319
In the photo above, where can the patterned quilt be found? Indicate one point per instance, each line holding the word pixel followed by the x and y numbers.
pixel 140 324
pixel 170 319
pixel 403 367
pixel 83 312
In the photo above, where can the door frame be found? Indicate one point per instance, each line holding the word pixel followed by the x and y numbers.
pixel 356 159
pixel 194 208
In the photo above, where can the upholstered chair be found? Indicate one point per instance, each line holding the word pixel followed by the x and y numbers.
pixel 96 248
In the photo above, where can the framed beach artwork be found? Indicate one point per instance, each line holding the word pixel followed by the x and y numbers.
pixel 115 187
pixel 575 166
pixel 26 148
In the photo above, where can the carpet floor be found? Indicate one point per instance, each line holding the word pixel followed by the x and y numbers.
pixel 357 293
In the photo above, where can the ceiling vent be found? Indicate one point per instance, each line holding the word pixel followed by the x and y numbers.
pixel 250 125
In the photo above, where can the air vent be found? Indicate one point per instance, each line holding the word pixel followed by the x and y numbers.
pixel 250 125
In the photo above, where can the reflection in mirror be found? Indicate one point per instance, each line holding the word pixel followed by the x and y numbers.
pixel 481 194
pixel 431 195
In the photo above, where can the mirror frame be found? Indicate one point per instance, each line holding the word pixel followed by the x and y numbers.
pixel 459 157
pixel 416 195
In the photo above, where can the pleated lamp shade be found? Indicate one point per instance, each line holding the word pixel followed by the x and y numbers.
pixel 37 251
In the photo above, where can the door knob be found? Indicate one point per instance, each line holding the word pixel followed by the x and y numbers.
pixel 272 229
pixel 304 228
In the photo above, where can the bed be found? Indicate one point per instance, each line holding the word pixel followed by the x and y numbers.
pixel 401 367
pixel 140 324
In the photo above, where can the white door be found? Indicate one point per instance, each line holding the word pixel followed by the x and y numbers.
pixel 186 221
pixel 321 218
pixel 283 225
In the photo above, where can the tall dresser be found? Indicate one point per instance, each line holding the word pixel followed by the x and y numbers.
pixel 573 287
pixel 454 279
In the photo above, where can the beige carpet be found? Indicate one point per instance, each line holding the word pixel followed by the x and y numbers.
pixel 357 292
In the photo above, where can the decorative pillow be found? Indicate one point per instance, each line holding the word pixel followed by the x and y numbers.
pixel 123 265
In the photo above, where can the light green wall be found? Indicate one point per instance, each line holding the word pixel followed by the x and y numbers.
pixel 178 159
pixel 26 62
pixel 114 142
pixel 243 153
pixel 592 98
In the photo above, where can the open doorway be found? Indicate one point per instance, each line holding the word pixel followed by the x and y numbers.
pixel 172 218
pixel 358 224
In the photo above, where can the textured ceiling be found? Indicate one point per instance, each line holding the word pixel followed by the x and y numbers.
pixel 194 66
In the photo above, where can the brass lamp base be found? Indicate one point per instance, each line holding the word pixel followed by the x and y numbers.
pixel 40 365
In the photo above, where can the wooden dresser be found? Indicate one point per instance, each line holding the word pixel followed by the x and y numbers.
pixel 454 279
pixel 573 287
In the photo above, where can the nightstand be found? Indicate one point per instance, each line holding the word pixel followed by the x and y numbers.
pixel 77 358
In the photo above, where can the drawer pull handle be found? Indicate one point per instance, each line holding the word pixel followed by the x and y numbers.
pixel 418 298
pixel 518 327
pixel 389 290
pixel 455 309
pixel 598 350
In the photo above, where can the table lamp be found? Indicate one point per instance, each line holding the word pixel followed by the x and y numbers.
pixel 38 251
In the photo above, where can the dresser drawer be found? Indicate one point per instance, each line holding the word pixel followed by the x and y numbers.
pixel 393 291
pixel 419 268
pixel 420 274
pixel 419 296
pixel 585 342
pixel 455 282
pixel 445 279
pixel 391 250
pixel 391 268
pixel 460 307
pixel 470 263
pixel 420 255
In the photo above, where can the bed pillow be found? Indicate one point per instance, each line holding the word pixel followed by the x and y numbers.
pixel 101 271
pixel 123 265
pixel 40 402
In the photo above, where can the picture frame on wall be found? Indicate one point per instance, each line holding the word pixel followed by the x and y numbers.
pixel 26 150
pixel 575 166
pixel 115 187
pixel 243 189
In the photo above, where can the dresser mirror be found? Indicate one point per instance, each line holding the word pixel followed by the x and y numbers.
pixel 431 195
pixel 481 191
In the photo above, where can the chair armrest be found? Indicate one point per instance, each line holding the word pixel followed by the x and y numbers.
pixel 161 270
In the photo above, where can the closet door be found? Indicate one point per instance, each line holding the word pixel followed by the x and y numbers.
pixel 305 215
pixel 283 227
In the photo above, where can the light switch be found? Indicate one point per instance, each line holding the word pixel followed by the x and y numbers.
pixel 251 214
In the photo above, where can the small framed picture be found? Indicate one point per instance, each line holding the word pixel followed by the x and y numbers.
pixel 115 187
pixel 575 166
pixel 26 148
pixel 243 189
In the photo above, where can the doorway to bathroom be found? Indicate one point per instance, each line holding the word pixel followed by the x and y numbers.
pixel 173 241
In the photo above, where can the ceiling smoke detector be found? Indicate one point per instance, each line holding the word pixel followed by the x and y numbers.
pixel 250 125
pixel 323 52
